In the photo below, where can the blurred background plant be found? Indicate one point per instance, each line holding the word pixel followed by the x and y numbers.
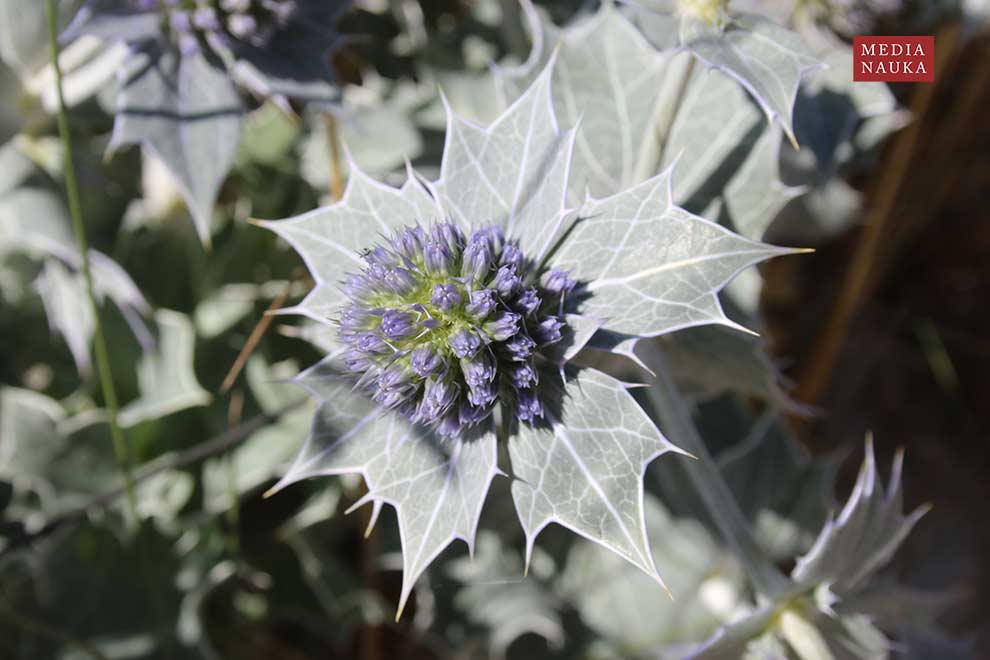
pixel 880 329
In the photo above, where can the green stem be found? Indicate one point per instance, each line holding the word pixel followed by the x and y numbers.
pixel 120 448
pixel 706 477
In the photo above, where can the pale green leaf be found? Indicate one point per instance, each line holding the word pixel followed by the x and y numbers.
pixel 29 439
pixel 651 267
pixel 437 487
pixel 513 173
pixel 166 377
pixel 188 114
pixel 611 595
pixel 762 56
pixel 609 79
pixel 497 595
pixel 330 239
pixel 863 538
pixel 67 306
pixel 585 470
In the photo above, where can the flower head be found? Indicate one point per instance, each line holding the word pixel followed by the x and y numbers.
pixel 442 326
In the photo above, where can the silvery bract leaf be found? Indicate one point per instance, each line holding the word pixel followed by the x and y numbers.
pixel 294 61
pixel 496 595
pixel 726 156
pixel 765 58
pixel 834 612
pixel 609 79
pixel 620 603
pixel 652 267
pixel 113 20
pixel 68 309
pixel 437 487
pixel 864 537
pixel 166 378
pixel 513 173
pixel 29 439
pixel 329 239
pixel 709 360
pixel 585 471
pixel 187 112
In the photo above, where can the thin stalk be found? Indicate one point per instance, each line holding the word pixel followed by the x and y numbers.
pixel 666 123
pixel 120 448
pixel 336 168
pixel 706 477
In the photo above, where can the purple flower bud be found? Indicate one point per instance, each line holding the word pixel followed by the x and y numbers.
pixel 409 243
pixel 357 286
pixel 559 282
pixel 449 233
pixel 379 262
pixel 439 396
pixel 445 296
pixel 482 394
pixel 523 375
pixel 505 325
pixel 425 361
pixel 482 303
pixel 478 259
pixel 439 258
pixel 519 347
pixel 356 361
pixel 242 26
pixel 493 236
pixel 478 370
pixel 397 325
pixel 442 248
pixel 512 256
pixel 449 426
pixel 528 406
pixel 370 342
pixel 548 331
pixel 354 320
pixel 180 21
pixel 464 343
pixel 469 414
pixel 528 302
pixel 391 397
pixel 205 18
pixel 506 281
pixel 400 280
pixel 188 44
pixel 394 375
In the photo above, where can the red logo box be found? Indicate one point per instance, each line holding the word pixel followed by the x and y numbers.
pixel 894 59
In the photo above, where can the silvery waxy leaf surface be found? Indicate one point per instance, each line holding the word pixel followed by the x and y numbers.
pixel 193 66
pixel 767 59
pixel 838 597
pixel 406 274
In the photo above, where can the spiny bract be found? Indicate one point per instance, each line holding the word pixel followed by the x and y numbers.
pixel 193 23
pixel 443 326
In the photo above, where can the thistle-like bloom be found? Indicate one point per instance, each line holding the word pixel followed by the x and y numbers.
pixel 459 304
pixel 441 326
pixel 196 66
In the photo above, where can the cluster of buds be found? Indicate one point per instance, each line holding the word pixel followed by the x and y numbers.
pixel 191 23
pixel 441 326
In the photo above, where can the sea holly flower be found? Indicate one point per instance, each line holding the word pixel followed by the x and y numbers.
pixel 501 283
pixel 196 66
